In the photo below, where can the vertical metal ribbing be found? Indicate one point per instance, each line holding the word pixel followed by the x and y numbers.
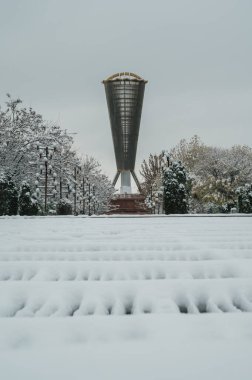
pixel 125 93
pixel 125 99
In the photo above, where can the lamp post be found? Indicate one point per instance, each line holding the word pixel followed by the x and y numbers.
pixel 75 189
pixel 46 154
pixel 83 195
pixel 94 197
pixel 77 170
pixel 89 198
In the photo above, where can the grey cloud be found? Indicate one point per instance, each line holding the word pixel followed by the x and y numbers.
pixel 196 55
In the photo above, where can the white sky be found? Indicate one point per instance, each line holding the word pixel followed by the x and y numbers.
pixel 196 55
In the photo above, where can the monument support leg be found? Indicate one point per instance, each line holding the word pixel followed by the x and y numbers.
pixel 125 182
pixel 116 178
pixel 136 181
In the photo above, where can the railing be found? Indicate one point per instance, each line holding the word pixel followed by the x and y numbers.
pixel 128 196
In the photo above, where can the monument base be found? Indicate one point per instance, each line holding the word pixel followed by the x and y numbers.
pixel 128 204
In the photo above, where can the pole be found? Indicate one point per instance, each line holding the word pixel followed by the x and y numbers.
pixel 60 188
pixel 46 178
pixel 89 198
pixel 94 198
pixel 151 199
pixel 83 193
pixel 75 189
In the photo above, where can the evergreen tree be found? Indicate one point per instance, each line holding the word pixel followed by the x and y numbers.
pixel 64 207
pixel 28 205
pixel 8 196
pixel 244 199
pixel 3 195
pixel 12 198
pixel 175 184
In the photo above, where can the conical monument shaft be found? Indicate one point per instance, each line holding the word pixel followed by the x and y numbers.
pixel 125 93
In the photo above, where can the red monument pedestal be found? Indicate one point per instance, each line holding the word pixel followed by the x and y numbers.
pixel 128 204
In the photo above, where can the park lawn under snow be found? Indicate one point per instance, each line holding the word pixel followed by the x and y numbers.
pixel 152 298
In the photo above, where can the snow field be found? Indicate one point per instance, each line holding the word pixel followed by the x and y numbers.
pixel 60 299
pixel 120 298
pixel 125 266
pixel 123 270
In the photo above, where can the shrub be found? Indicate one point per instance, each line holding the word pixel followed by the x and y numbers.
pixel 175 189
pixel 244 199
pixel 64 207
pixel 28 205
pixel 8 196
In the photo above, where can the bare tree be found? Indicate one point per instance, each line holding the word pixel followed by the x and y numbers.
pixel 150 171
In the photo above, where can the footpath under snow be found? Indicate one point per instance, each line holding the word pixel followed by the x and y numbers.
pixel 126 298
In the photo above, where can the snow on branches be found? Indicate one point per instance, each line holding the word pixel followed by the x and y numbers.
pixel 175 182
pixel 41 154
pixel 215 173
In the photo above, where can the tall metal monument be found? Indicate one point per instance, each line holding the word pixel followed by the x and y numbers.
pixel 125 93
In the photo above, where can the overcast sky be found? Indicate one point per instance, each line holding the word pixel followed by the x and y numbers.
pixel 196 55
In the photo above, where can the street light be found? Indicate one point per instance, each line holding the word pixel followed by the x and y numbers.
pixel 45 154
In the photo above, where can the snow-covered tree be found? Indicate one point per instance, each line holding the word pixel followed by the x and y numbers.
pixel 19 129
pixel 28 205
pixel 24 137
pixel 55 178
pixel 8 196
pixel 215 173
pixel 64 207
pixel 218 174
pixel 151 172
pixel 244 198
pixel 12 198
pixel 96 189
pixel 175 182
pixel 189 152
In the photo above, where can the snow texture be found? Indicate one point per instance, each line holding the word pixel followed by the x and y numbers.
pixel 126 298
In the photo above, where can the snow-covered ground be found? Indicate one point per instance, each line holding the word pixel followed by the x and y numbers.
pixel 126 298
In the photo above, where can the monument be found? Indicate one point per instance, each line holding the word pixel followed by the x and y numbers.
pixel 125 93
